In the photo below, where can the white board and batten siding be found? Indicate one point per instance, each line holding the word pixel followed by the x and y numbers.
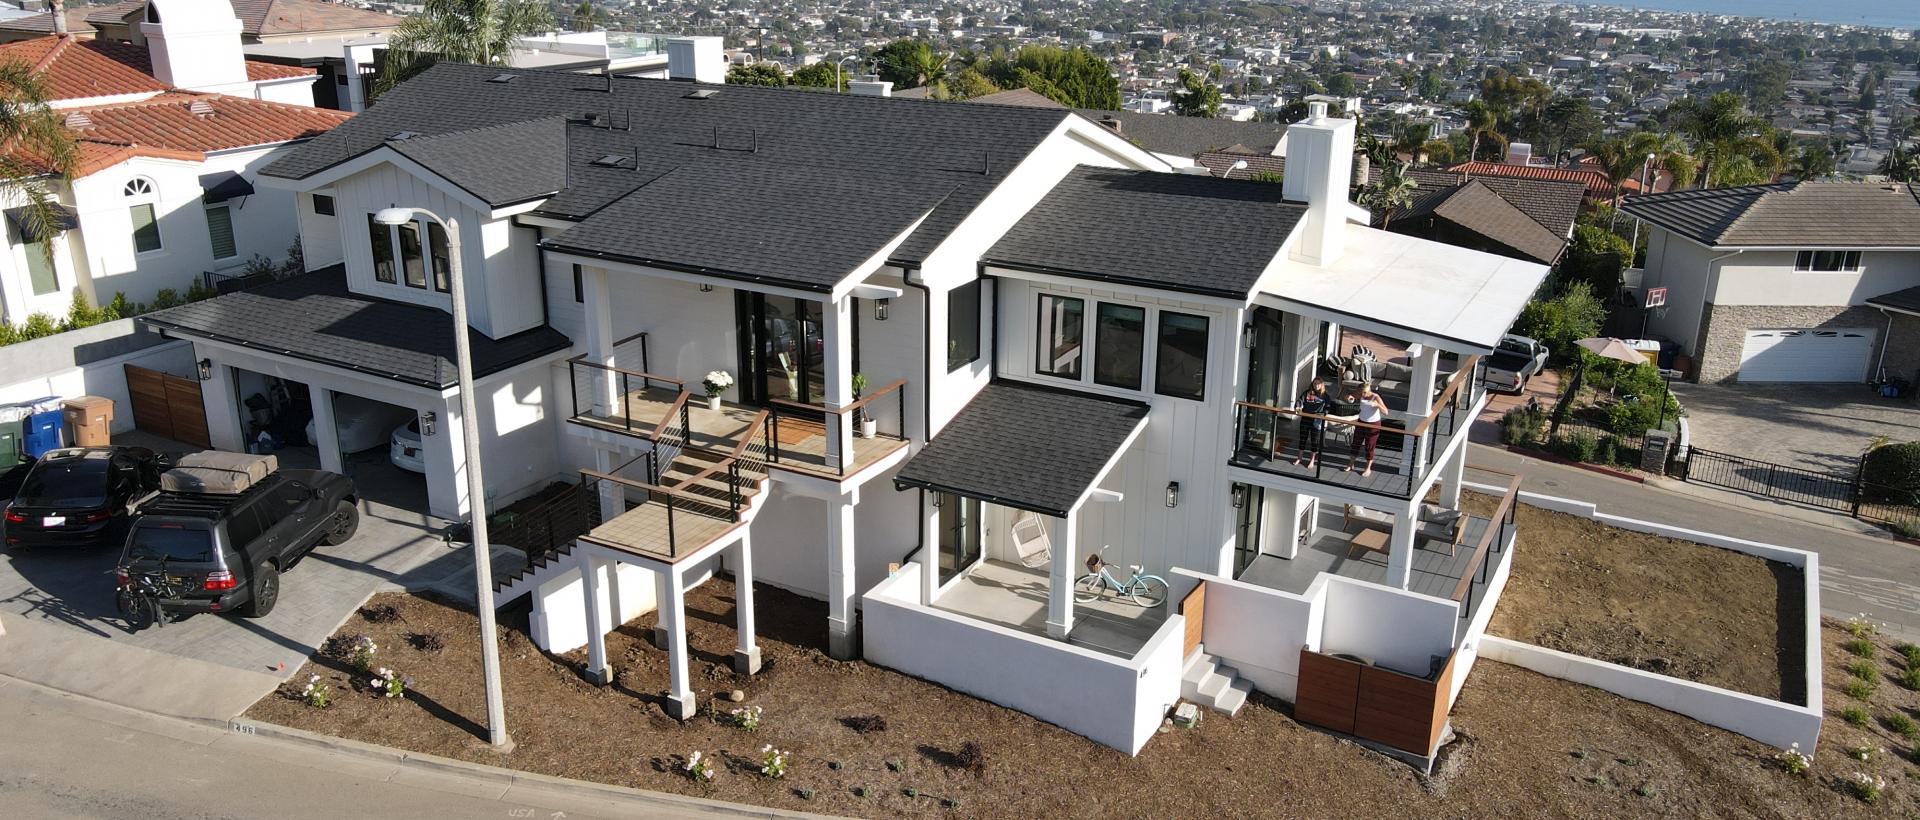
pixel 1184 440
pixel 1807 355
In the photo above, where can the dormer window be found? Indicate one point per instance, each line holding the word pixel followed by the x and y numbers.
pixel 399 256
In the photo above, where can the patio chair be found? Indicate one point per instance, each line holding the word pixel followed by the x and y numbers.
pixel 1441 526
pixel 1030 542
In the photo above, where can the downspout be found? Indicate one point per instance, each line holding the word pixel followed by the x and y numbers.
pixel 540 256
pixel 926 398
pixel 1713 277
pixel 1880 363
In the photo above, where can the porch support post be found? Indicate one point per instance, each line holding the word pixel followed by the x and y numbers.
pixel 930 551
pixel 838 318
pixel 612 496
pixel 664 588
pixel 1280 523
pixel 1426 369
pixel 593 595
pixel 1453 472
pixel 1400 546
pixel 746 658
pixel 594 293
pixel 326 431
pixel 842 644
pixel 1066 556
pixel 673 613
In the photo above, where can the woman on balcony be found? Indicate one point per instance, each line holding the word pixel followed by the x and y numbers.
pixel 1373 411
pixel 1313 430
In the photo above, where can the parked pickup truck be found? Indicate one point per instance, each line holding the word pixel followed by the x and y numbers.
pixel 1514 362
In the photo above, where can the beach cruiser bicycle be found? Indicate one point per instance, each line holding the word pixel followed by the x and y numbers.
pixel 1146 590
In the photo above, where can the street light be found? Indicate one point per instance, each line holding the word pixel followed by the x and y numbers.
pixel 839 84
pixel 476 487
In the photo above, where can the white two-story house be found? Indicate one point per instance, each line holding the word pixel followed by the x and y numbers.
pixel 1790 282
pixel 968 347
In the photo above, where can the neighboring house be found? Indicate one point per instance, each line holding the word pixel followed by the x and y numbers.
pixel 1531 219
pixel 163 191
pixel 1599 188
pixel 1788 282
pixel 1179 140
pixel 261 21
pixel 1064 349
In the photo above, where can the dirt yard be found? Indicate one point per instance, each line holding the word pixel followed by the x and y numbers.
pixel 1673 607
pixel 1532 745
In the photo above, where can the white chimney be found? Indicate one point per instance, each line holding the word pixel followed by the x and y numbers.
pixel 870 86
pixel 195 44
pixel 700 59
pixel 1519 153
pixel 1319 170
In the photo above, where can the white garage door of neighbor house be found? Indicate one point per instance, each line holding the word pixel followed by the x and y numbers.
pixel 1806 355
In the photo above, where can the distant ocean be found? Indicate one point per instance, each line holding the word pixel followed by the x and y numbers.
pixel 1891 13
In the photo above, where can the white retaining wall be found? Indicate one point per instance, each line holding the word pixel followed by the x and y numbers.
pixel 1768 721
pixel 1116 701
pixel 1259 631
pixel 559 619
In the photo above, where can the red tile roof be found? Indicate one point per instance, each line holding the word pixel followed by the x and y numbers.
pixel 78 69
pixel 1597 183
pixel 167 126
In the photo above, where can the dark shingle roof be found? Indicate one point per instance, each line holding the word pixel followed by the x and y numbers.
pixel 963 149
pixel 1025 446
pixel 1791 214
pixel 792 227
pixel 536 151
pixel 1906 300
pixel 1478 208
pixel 1189 136
pixel 1183 232
pixel 313 317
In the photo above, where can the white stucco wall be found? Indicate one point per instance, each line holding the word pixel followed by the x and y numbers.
pixel 1679 266
pixel 1768 278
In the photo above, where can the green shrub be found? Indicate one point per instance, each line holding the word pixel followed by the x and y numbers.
pixel 1606 450
pixel 1891 473
pixel 1858 647
pixel 1522 425
pixel 166 298
pixel 1857 689
pixel 1910 678
pixel 1901 725
pixel 1580 447
pixel 1854 716
pixel 1864 670
pixel 1909 654
pixel 1574 314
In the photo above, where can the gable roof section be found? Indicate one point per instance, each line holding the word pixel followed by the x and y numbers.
pixel 165 125
pixel 315 318
pixel 1596 182
pixel 1906 300
pixel 962 151
pixel 1789 214
pixel 759 221
pixel 1025 446
pixel 1189 136
pixel 473 159
pixel 78 69
pixel 1183 232
pixel 1480 209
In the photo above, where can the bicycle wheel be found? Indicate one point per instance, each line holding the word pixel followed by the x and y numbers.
pixel 134 609
pixel 1089 588
pixel 1148 591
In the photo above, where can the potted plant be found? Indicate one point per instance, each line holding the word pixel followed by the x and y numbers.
pixel 869 426
pixel 716 383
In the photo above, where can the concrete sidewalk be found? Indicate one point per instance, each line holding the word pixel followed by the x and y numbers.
pixel 1861 568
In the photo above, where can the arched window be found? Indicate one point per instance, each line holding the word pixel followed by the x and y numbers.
pixel 141 210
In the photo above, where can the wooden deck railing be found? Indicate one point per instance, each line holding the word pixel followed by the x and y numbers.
pixel 781 407
pixel 1494 539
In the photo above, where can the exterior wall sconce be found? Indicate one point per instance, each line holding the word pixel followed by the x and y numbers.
pixel 1247 333
pixel 205 368
pixel 880 309
pixel 1239 496
pixel 1173 493
pixel 936 500
pixel 706 288
pixel 426 422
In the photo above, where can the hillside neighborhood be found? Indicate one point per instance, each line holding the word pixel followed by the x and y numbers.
pixel 961 409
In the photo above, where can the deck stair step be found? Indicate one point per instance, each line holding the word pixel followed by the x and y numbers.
pixel 533 574
pixel 1209 682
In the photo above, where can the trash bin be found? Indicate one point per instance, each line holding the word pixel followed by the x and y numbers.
pixel 45 431
pixel 90 418
pixel 12 436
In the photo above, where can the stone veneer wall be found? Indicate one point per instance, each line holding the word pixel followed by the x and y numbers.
pixel 1724 332
pixel 1903 348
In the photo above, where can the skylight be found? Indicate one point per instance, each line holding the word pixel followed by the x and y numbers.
pixel 701 94
pixel 611 161
pixel 502 78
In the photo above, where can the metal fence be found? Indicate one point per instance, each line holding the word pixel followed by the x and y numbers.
pixel 1834 491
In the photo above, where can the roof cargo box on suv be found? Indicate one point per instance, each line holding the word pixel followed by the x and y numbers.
pixel 217 473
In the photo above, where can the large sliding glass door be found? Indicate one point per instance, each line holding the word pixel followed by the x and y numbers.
pixel 1249 501
pixel 1263 376
pixel 959 534
pixel 782 348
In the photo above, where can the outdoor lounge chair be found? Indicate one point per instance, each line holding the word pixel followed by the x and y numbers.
pixel 1438 525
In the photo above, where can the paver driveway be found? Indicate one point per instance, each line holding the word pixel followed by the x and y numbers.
pixel 1821 427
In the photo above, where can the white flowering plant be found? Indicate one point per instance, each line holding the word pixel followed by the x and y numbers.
pixel 316 693
pixel 1861 753
pixel 773 762
pixel 1794 760
pixel 1861 626
pixel 361 653
pixel 716 383
pixel 746 717
pixel 387 683
pixel 699 768
pixel 1865 787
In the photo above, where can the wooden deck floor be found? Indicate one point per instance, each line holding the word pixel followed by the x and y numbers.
pixel 801 444
pixel 644 530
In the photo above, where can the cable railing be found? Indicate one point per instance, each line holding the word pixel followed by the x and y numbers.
pixel 814 451
pixel 621 397
pixel 1499 529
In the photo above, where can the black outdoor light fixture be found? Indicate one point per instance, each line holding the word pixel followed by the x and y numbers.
pixel 426 422
pixel 880 309
pixel 1239 496
pixel 1173 493
pixel 205 367
pixel 706 288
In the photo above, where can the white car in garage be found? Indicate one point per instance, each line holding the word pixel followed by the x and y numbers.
pixel 404 448
pixel 363 424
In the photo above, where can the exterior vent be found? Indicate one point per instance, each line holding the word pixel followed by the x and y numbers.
pixel 610 161
pixel 402 135
pixel 200 108
pixel 79 119
pixel 701 94
pixel 502 78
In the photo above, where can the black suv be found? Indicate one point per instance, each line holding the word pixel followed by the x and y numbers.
pixel 226 552
pixel 80 496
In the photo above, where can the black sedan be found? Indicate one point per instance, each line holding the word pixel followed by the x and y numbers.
pixel 80 497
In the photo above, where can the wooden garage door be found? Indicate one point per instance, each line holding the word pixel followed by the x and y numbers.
pixel 168 405
pixel 1806 355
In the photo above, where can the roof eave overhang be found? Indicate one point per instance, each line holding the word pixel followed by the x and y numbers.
pixel 1064 276
pixel 1372 325
pixel 663 269
pixel 385 154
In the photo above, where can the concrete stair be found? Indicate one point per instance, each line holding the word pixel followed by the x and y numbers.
pixel 1210 683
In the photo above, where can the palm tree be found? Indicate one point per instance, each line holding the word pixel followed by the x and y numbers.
pixel 1619 162
pixel 1732 145
pixel 1390 192
pixel 1902 164
pixel 1480 121
pixel 1669 154
pixel 39 148
pixel 463 31
pixel 1813 161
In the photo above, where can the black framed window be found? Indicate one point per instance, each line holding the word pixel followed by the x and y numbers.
pixel 1061 335
pixel 380 241
pixel 442 258
pixel 1827 261
pixel 412 261
pixel 579 285
pixel 959 534
pixel 1119 344
pixel 963 325
pixel 1180 358
pixel 323 204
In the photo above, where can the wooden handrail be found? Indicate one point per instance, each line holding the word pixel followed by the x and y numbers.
pixel 725 458
pixel 641 335
pixel 638 374
pixel 1453 385
pixel 642 485
pixel 1486 540
pixel 1460 376
pixel 679 401
pixel 844 409
pixel 1350 422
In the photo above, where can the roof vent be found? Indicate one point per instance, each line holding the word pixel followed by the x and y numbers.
pixel 502 78
pixel 701 94
pixel 402 135
pixel 610 161
pixel 200 108
pixel 78 120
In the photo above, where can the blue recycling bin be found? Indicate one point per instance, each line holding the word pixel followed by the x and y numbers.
pixel 45 430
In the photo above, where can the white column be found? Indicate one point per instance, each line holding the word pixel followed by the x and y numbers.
pixel 1280 523
pixel 592 595
pixel 673 614
pixel 841 642
pixel 1066 558
pixel 595 296
pixel 1426 368
pixel 664 587
pixel 1452 473
pixel 930 551
pixel 325 431
pixel 446 463
pixel 746 656
pixel 612 495
pixel 224 426
pixel 838 332
pixel 1400 547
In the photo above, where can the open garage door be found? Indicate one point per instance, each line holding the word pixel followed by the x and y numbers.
pixel 1806 355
